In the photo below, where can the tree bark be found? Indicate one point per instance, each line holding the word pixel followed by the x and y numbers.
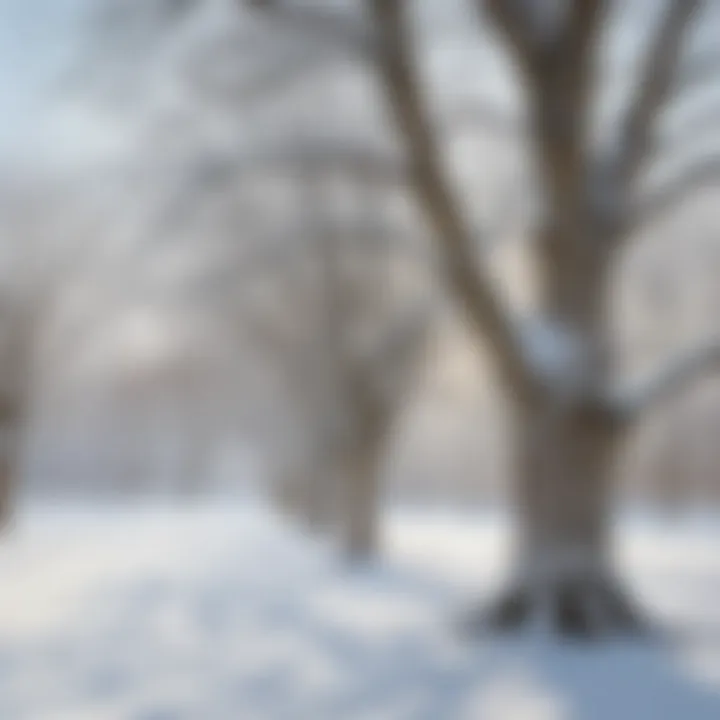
pixel 563 581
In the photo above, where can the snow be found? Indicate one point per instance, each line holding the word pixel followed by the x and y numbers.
pixel 214 612
pixel 555 351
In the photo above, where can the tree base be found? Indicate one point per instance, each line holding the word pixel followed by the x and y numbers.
pixel 359 551
pixel 6 521
pixel 579 608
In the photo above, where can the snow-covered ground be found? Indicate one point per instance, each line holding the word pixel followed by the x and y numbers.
pixel 229 614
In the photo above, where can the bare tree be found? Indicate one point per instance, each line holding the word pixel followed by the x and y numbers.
pixel 16 355
pixel 344 319
pixel 572 413
pixel 41 236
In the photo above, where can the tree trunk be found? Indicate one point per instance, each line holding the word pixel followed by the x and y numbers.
pixel 563 580
pixel 319 499
pixel 9 437
pixel 360 502
pixel 308 496
pixel 285 497
pixel 6 493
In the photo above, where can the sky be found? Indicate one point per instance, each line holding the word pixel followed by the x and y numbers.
pixel 40 40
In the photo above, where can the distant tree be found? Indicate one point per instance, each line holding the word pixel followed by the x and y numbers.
pixel 43 236
pixel 344 317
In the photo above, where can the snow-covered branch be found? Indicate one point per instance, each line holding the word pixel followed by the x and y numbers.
pixel 269 81
pixel 469 280
pixel 674 193
pixel 487 116
pixel 657 79
pixel 680 371
pixel 306 156
pixel 697 71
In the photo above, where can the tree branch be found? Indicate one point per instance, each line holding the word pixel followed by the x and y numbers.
pixel 320 25
pixel 470 283
pixel 585 17
pixel 696 127
pixel 686 367
pixel 309 156
pixel 290 69
pixel 697 70
pixel 656 82
pixel 523 24
pixel 531 28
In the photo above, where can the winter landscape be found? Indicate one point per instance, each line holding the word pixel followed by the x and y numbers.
pixel 359 360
